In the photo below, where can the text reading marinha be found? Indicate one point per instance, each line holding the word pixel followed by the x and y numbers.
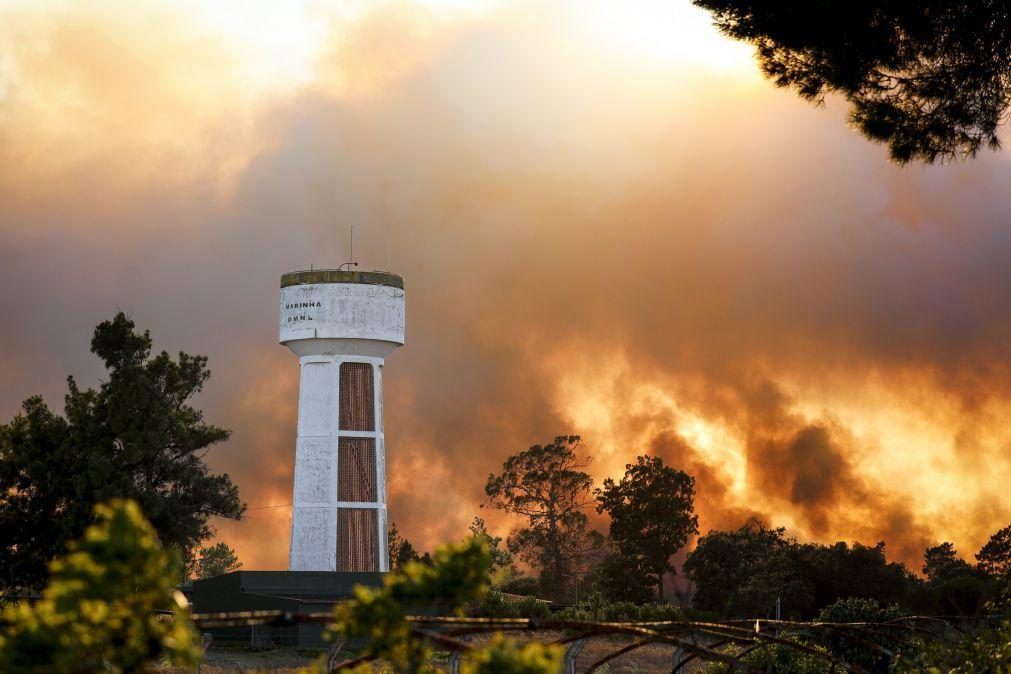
pixel 301 305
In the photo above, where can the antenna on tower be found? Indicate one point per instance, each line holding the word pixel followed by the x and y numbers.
pixel 351 262
pixel 388 245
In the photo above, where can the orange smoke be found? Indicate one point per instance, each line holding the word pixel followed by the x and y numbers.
pixel 670 260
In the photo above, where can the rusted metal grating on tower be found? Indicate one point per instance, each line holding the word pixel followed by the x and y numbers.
pixel 357 397
pixel 357 540
pixel 356 469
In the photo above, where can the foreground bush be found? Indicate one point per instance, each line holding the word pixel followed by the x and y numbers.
pixel 627 611
pixel 775 658
pixel 507 656
pixel 457 578
pixel 495 605
pixel 97 613
pixel 524 585
pixel 858 610
pixel 986 652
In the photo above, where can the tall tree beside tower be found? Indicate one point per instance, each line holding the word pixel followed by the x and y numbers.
pixel 135 437
pixel 547 486
pixel 652 513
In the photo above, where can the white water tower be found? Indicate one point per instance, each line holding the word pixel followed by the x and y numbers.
pixel 341 325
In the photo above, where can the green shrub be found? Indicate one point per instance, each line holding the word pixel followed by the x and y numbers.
pixel 493 605
pixel 986 652
pixel 774 658
pixel 97 613
pixel 458 578
pixel 573 613
pixel 619 611
pixel 531 607
pixel 625 611
pixel 524 585
pixel 506 656
pixel 857 610
pixel 661 612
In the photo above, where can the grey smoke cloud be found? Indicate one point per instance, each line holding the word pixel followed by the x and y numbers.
pixel 584 251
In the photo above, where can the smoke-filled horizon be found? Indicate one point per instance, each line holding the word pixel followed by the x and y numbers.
pixel 649 247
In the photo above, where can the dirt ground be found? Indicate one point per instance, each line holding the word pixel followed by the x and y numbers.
pixel 238 660
pixel 244 661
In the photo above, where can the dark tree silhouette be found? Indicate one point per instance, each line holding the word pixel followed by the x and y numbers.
pixel 929 79
pixel 860 653
pixel 941 562
pixel 501 558
pixel 401 551
pixel 953 586
pixel 619 578
pixel 652 513
pixel 724 562
pixel 995 556
pixel 741 573
pixel 135 437
pixel 216 560
pixel 546 485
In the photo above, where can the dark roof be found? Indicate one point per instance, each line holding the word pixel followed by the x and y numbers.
pixel 313 276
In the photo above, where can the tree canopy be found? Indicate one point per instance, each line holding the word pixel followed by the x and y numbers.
pixel 502 569
pixel 741 573
pixel 619 578
pixel 652 513
pixel 216 560
pixel 995 556
pixel 928 79
pixel 135 437
pixel 723 562
pixel 941 562
pixel 547 486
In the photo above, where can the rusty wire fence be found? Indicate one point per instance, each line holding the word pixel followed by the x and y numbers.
pixel 683 646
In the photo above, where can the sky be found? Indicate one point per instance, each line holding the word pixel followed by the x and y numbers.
pixel 608 225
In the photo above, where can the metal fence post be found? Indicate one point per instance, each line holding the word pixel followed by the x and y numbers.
pixel 332 653
pixel 205 643
pixel 453 663
pixel 679 654
pixel 571 653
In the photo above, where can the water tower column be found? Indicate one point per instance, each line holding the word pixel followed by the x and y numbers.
pixel 313 517
pixel 341 325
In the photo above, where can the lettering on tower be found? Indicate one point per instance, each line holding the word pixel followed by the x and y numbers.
pixel 342 311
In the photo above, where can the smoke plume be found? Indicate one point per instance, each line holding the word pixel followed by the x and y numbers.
pixel 680 261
